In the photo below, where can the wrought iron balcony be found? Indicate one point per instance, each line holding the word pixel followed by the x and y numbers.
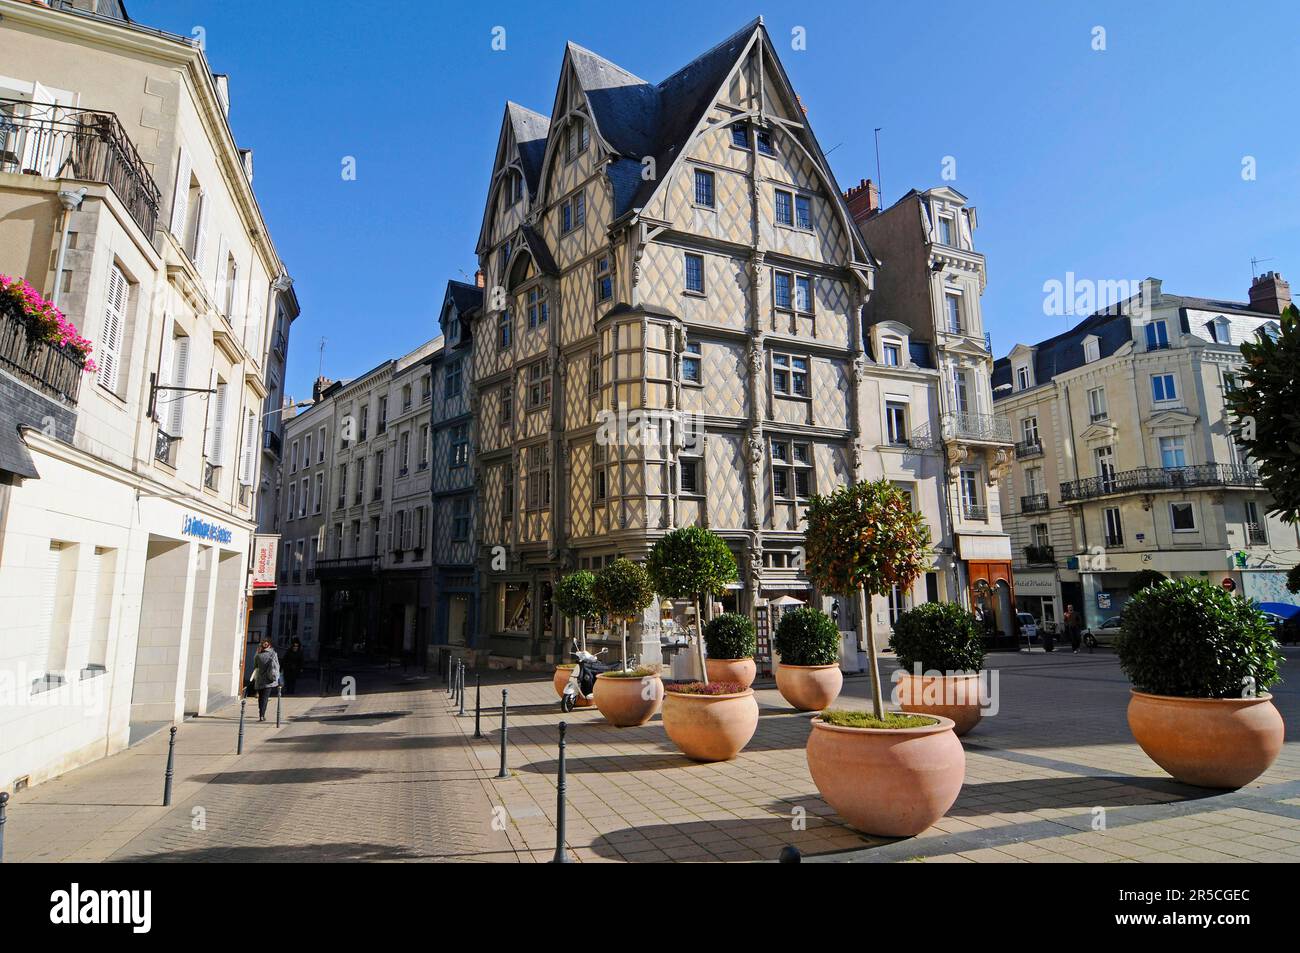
pixel 279 343
pixel 87 144
pixel 1034 503
pixel 1040 554
pixel 1029 448
pixel 1155 478
pixel 211 475
pixel 975 511
pixel 272 442
pixel 162 450
pixel 1114 541
pixel 347 566
pixel 1255 535
pixel 56 371
pixel 984 428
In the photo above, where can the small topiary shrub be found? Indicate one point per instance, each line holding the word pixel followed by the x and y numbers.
pixel 865 719
pixel 704 688
pixel 641 671
pixel 1191 639
pixel 807 636
pixel 940 636
pixel 730 636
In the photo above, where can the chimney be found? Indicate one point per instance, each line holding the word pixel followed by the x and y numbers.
pixel 864 200
pixel 319 388
pixel 478 278
pixel 1270 293
pixel 222 82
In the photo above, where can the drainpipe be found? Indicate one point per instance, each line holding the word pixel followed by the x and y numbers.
pixel 71 201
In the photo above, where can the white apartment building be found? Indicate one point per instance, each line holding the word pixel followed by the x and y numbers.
pixel 127 495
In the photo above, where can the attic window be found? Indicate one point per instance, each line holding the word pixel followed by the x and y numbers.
pixel 1090 351
pixel 1221 330
pixel 577 139
pixel 515 187
pixel 1022 377
pixel 764 140
pixel 1272 330
pixel 740 135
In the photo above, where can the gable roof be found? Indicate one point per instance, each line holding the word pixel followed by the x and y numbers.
pixel 465 296
pixel 530 130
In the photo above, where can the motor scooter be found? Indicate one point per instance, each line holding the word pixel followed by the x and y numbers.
pixel 582 681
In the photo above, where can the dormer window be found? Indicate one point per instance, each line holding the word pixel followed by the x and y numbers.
pixel 1157 336
pixel 1023 378
pixel 1091 350
pixel 892 353
pixel 1221 330
pixel 945 230
pixel 1272 330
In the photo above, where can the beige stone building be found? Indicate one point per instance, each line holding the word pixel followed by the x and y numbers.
pixel 1125 458
pixel 127 495
pixel 672 334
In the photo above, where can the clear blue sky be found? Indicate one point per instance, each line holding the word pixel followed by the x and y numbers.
pixel 1113 165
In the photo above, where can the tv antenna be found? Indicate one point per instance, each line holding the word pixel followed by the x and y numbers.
pixel 880 185
pixel 1254 270
pixel 320 367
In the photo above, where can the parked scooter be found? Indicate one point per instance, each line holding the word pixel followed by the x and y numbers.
pixel 582 681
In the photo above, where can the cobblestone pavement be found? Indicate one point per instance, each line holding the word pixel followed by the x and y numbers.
pixel 396 774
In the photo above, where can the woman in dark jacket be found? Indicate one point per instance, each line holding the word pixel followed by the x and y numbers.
pixel 266 675
pixel 292 665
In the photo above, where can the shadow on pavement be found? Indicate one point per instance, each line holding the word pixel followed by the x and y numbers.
pixel 706 840
pixel 336 853
pixel 283 776
pixel 1082 792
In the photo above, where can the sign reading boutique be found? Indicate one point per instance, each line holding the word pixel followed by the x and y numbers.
pixel 196 528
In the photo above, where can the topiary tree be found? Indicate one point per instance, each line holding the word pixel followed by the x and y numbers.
pixel 731 635
pixel 941 636
pixel 1191 639
pixel 692 563
pixel 865 539
pixel 575 597
pixel 623 589
pixel 1267 408
pixel 1144 578
pixel 807 636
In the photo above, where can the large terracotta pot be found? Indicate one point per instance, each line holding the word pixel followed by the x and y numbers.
pixel 952 696
pixel 562 674
pixel 892 782
pixel 809 687
pixel 621 700
pixel 1209 742
pixel 740 670
pixel 711 727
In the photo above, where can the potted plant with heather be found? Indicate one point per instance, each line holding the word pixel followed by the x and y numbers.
pixel 1201 661
pixel 887 773
pixel 575 597
pixel 808 674
pixel 710 721
pixel 626 697
pixel 730 641
pixel 692 563
pixel 941 650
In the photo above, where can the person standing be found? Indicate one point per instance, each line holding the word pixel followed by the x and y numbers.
pixel 292 665
pixel 1072 628
pixel 266 675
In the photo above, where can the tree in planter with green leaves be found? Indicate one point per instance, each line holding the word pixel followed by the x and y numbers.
pixel 863 540
pixel 692 563
pixel 622 589
pixel 1266 404
pixel 575 597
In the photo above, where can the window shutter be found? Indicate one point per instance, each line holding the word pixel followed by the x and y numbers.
pixel 217 453
pixel 180 375
pixel 181 196
pixel 250 451
pixel 201 231
pixel 41 651
pixel 166 367
pixel 406 530
pixel 392 519
pixel 219 284
pixel 110 351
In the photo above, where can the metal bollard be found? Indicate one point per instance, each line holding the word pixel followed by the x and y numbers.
pixel 4 802
pixel 505 695
pixel 462 688
pixel 478 706
pixel 561 855
pixel 243 703
pixel 171 769
pixel 451 681
pixel 790 855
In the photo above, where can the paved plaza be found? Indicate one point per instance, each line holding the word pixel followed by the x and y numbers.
pixel 396 774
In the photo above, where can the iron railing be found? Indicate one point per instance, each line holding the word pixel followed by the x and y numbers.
pixel 1114 541
pixel 55 370
pixel 989 428
pixel 1040 554
pixel 211 475
pixel 1255 535
pixel 975 511
pixel 280 343
pixel 87 144
pixel 1029 448
pixel 1156 478
pixel 347 566
pixel 1034 503
pixel 272 442
pixel 162 449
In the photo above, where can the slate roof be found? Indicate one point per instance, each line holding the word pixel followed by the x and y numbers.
pixel 465 296
pixel 1064 352
pixel 530 129
pixel 14 456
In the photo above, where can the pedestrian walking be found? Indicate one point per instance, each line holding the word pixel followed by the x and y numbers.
pixel 292 665
pixel 266 675
pixel 1073 628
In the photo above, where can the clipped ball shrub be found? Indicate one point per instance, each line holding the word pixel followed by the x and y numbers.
pixel 1144 578
pixel 730 636
pixel 807 636
pixel 939 636
pixel 1190 639
pixel 575 595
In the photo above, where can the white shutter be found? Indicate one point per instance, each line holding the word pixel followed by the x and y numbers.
pixel 166 368
pixel 250 449
pixel 219 285
pixel 406 529
pixel 45 623
pixel 201 231
pixel 175 418
pixel 181 196
pixel 392 520
pixel 110 343
pixel 217 452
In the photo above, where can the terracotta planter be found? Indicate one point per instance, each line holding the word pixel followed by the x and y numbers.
pixel 1209 742
pixel 711 727
pixel 809 687
pixel 620 699
pixel 952 696
pixel 892 782
pixel 740 670
pixel 562 674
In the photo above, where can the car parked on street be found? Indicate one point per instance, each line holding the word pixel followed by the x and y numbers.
pixel 1103 634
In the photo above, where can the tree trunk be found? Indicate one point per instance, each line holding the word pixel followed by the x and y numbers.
pixel 699 641
pixel 877 697
pixel 582 634
pixel 625 644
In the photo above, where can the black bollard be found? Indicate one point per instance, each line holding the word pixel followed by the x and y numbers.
pixel 451 681
pixel 790 855
pixel 4 802
pixel 505 695
pixel 279 697
pixel 243 703
pixel 561 855
pixel 462 688
pixel 171 769
pixel 478 707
